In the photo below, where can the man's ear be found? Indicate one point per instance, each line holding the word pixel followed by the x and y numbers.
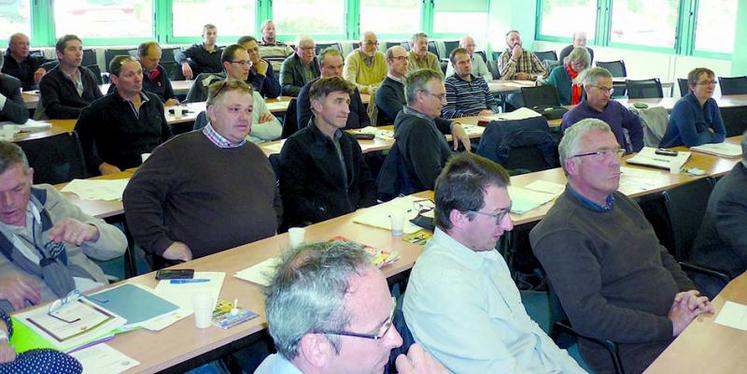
pixel 458 219
pixel 31 176
pixel 570 166
pixel 316 350
pixel 316 104
pixel 113 79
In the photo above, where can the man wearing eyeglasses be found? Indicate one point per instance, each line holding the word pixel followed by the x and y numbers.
pixel 598 104
pixel 604 261
pixel 461 303
pixel 346 324
pixel 300 68
pixel 46 241
pixel 366 66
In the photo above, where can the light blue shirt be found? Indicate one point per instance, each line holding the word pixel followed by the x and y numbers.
pixel 465 309
pixel 276 364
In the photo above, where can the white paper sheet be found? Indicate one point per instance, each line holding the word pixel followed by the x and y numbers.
pixel 260 273
pixel 727 150
pixel 733 315
pixel 30 125
pixel 547 187
pixel 378 215
pixel 524 200
pixel 97 189
pixel 182 294
pixel 518 114
pixel 102 358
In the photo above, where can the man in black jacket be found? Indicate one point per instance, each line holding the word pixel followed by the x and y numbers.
pixel 299 68
pixel 201 57
pixel 12 107
pixel 322 171
pixel 21 64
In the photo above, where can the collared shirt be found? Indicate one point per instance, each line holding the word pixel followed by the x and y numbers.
pixel 218 139
pixel 76 79
pixel 466 98
pixel 397 79
pixel 527 63
pixel 609 201
pixel 465 309
pixel 135 110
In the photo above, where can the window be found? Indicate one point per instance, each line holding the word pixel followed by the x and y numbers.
pixel 716 26
pixel 309 16
pixel 390 16
pixel 15 16
pixel 231 17
pixel 556 13
pixel 104 18
pixel 460 16
pixel 644 22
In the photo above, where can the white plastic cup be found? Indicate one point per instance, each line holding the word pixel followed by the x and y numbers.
pixel 296 236
pixel 397 221
pixel 177 113
pixel 8 132
pixel 203 306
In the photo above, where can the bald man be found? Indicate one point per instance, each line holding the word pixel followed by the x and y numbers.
pixel 366 66
pixel 479 68
pixel 20 64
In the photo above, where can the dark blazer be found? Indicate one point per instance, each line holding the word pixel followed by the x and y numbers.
pixel 60 99
pixel 15 108
pixel 292 78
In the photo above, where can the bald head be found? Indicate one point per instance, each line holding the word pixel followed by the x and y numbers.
pixel 396 60
pixel 468 43
pixel 369 43
pixel 19 46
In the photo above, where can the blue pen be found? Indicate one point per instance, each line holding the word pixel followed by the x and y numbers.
pixel 188 281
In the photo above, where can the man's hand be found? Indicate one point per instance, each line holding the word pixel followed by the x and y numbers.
pixel 685 307
pixel 38 74
pixel 170 102
pixel 17 289
pixel 516 52
pixel 7 353
pixel 72 231
pixel 105 169
pixel 693 300
pixel 523 76
pixel 261 67
pixel 187 71
pixel 266 117
pixel 178 251
pixel 459 135
pixel 418 361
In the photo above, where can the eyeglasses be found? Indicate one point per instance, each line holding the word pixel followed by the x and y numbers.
pixel 59 304
pixel 399 58
pixel 707 83
pixel 440 97
pixel 381 331
pixel 242 62
pixel 602 154
pixel 369 42
pixel 497 216
pixel 606 90
pixel 307 48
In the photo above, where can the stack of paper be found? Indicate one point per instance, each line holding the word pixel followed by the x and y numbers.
pixel 524 200
pixel 518 114
pixel 260 273
pixel 97 189
pixel 378 215
pixel 119 300
pixel 30 125
pixel 102 358
pixel 648 157
pixel 727 150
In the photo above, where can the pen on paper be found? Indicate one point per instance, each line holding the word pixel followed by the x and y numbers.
pixel 188 281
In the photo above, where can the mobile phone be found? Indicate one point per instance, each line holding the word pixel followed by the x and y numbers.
pixel 365 136
pixel 175 274
pixel 665 152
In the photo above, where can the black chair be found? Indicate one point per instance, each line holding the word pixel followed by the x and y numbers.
pixel 686 205
pixel 546 55
pixel 173 70
pixel 37 53
pixel 200 121
pixel 89 57
pixel 644 88
pixel 450 45
pixel 733 85
pixel 167 54
pixel 55 159
pixel 322 46
pixel 290 120
pixel 483 54
pixel 540 96
pixel 406 45
pixel 496 56
pixel 493 67
pixel 109 55
pixel 735 120
pixel 96 73
pixel 520 146
pixel 388 45
pixel 684 88
pixel 616 68
pixel 433 49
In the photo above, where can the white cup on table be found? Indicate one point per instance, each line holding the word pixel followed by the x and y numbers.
pixel 296 236
pixel 203 305
pixel 397 218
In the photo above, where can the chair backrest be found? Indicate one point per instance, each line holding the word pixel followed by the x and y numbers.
pixel 493 67
pixel 167 54
pixel 735 121
pixel 684 89
pixel 496 55
pixel 543 96
pixel 450 45
pixel 546 55
pixel 434 49
pixel 89 57
pixel 173 70
pixel 322 46
pixel 616 68
pixel 733 85
pixel 200 121
pixel 644 88
pixel 520 146
pixel 96 73
pixel 109 55
pixel 391 44
pixel 55 159
pixel 686 205
pixel 290 120
pixel 483 54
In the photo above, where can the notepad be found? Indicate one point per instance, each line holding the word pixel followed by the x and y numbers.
pixel 135 303
pixel 648 157
pixel 260 273
pixel 102 358
pixel 378 215
pixel 182 294
pixel 97 189
pixel 524 200
pixel 733 315
pixel 726 150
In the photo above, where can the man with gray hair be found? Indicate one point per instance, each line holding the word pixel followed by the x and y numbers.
pixel 45 240
pixel 330 311
pixel 300 68
pixel 419 57
pixel 599 252
pixel 722 241
pixel 479 68
pixel 12 106
pixel 579 40
pixel 20 63
pixel 598 104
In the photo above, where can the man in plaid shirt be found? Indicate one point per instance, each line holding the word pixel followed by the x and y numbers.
pixel 517 63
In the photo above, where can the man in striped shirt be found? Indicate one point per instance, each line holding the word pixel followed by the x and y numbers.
pixel 466 94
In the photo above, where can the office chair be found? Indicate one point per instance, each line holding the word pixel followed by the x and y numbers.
pixel 89 57
pixel 644 88
pixel 483 55
pixel 173 70
pixel 685 206
pixel 616 68
pixel 322 46
pixel 55 159
pixel 109 55
pixel 167 54
pixel 733 85
pixel 684 88
pixel 434 49
pixel 496 56
pixel 449 46
pixel 546 55
pixel 96 73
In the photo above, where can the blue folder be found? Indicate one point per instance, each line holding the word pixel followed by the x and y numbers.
pixel 132 303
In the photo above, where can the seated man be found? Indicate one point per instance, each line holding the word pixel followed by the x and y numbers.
pixel 721 243
pixel 479 68
pixel 461 303
pixel 272 49
pixel 419 57
pixel 466 94
pixel 45 240
pixel 579 40
pixel 322 171
pixel 365 66
pixel 600 252
pixel 201 57
pixel 261 74
pixel 331 66
pixel 21 64
pixel 12 106
pixel 598 104
pixel 69 87
pixel 517 63
pixel 155 78
pixel 117 129
pixel 300 68
pixel 422 147
pixel 236 63
pixel 347 304
pixel 207 190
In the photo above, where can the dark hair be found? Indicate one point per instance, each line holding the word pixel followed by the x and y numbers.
pixel 246 39
pixel 208 26
pixel 143 48
pixel 61 42
pixel 325 86
pixel 11 154
pixel 456 51
pixel 115 65
pixel 462 185
pixel 229 52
